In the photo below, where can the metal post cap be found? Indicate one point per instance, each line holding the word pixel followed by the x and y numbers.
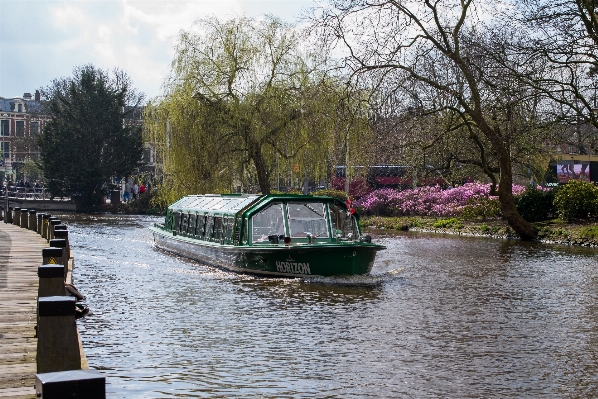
pixel 61 233
pixel 48 252
pixel 50 271
pixel 55 222
pixel 56 306
pixel 58 243
pixel 46 216
pixel 88 384
pixel 59 227
pixel 32 211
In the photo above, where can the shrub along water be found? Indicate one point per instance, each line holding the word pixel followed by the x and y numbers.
pixel 536 204
pixel 576 199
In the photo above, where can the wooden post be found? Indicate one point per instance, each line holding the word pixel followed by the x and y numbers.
pixel 53 256
pixel 51 281
pixel 40 223
pixel 46 218
pixel 32 225
pixel 16 218
pixel 48 227
pixel 9 216
pixel 24 222
pixel 60 227
pixel 57 340
pixel 61 243
pixel 53 223
pixel 64 234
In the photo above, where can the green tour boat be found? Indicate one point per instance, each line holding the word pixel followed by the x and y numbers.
pixel 271 235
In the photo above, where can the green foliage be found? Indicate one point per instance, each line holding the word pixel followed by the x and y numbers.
pixel 248 101
pixel 453 223
pixel 86 143
pixel 32 170
pixel 535 205
pixel 341 195
pixel 590 232
pixel 576 199
pixel 481 207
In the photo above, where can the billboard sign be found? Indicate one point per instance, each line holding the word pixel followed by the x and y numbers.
pixel 567 170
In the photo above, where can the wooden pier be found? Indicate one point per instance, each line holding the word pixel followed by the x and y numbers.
pixel 20 256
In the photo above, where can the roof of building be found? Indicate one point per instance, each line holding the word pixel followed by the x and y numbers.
pixel 9 105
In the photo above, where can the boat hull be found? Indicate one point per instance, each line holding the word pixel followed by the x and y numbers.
pixel 303 260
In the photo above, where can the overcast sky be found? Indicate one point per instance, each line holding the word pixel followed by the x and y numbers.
pixel 44 40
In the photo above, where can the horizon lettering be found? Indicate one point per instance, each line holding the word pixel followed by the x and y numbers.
pixel 292 267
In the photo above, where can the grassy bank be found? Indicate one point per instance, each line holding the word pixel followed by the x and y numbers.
pixel 577 232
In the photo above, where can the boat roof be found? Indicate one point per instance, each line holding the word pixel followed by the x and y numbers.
pixel 228 203
pixel 234 203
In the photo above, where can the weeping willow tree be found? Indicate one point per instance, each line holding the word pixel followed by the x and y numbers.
pixel 245 100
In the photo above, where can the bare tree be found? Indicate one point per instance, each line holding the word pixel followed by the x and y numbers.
pixel 563 35
pixel 441 50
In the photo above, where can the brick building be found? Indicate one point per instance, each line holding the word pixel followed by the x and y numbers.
pixel 21 120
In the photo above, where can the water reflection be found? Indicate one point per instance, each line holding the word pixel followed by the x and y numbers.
pixel 441 317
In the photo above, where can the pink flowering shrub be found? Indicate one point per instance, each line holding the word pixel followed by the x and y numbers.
pixel 433 201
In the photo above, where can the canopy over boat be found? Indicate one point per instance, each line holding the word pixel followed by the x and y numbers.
pixel 259 219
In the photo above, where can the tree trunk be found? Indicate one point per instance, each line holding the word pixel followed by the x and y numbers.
pixel 523 228
pixel 260 167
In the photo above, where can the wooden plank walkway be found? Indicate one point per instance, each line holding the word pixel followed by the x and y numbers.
pixel 20 256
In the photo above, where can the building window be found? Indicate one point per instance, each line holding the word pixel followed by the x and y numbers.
pixel 33 128
pixel 5 149
pixel 19 107
pixel 4 128
pixel 20 128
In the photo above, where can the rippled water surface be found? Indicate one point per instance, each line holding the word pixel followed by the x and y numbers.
pixel 439 317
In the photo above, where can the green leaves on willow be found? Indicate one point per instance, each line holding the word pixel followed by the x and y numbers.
pixel 247 103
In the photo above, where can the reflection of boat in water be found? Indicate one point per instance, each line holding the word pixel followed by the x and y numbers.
pixel 275 235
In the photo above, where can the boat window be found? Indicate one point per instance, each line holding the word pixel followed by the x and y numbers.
pixel 191 228
pixel 267 222
pixel 184 221
pixel 228 227
pixel 335 217
pixel 342 220
pixel 201 223
pixel 217 228
pixel 307 217
pixel 177 221
pixel 209 228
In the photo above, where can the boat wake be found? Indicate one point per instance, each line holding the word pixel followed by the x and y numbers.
pixel 360 280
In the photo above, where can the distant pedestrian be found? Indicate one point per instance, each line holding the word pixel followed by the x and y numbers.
pixel 142 188
pixel 135 191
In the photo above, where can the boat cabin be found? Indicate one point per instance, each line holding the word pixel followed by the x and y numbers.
pixel 253 220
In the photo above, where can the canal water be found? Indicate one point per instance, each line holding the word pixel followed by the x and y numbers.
pixel 441 316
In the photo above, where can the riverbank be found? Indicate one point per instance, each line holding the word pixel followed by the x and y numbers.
pixel 578 232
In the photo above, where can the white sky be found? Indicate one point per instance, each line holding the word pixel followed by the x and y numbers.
pixel 44 40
